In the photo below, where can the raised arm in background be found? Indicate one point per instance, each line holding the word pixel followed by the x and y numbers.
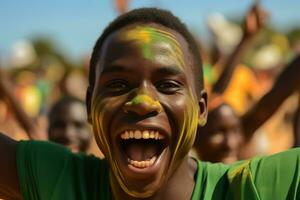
pixel 254 21
pixel 9 185
pixel 23 119
pixel 286 83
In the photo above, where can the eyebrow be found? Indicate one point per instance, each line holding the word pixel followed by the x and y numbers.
pixel 169 71
pixel 113 69
pixel 163 70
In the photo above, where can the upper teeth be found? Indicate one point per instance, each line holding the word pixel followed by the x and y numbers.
pixel 146 134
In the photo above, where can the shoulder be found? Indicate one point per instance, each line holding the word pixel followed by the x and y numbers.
pixel 45 168
pixel 271 177
pixel 210 180
pixel 211 173
pixel 48 154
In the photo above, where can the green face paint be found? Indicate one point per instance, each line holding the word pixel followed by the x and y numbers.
pixel 155 43
pixel 142 98
pixel 181 114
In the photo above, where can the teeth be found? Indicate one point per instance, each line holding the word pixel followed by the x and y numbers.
pixel 152 136
pixel 146 134
pixel 156 135
pixel 143 163
pixel 125 135
pixel 131 134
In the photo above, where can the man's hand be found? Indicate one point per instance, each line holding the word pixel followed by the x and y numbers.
pixel 255 19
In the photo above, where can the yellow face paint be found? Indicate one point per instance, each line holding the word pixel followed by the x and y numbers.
pixel 187 134
pixel 142 98
pixel 154 44
pixel 151 40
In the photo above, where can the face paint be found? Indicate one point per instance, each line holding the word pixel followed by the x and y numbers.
pixel 152 40
pixel 145 99
pixel 186 136
pixel 181 110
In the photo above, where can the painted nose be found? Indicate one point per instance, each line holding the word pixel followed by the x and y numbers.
pixel 142 105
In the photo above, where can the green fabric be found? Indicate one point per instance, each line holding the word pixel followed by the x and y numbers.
pixel 50 172
pixel 275 177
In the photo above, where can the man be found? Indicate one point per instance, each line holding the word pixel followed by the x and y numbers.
pixel 68 124
pixel 222 138
pixel 145 102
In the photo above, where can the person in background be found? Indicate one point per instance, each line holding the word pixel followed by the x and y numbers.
pixel 68 124
pixel 224 134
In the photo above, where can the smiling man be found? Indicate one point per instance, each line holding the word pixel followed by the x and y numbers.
pixel 145 102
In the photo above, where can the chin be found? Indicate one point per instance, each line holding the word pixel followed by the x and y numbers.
pixel 142 160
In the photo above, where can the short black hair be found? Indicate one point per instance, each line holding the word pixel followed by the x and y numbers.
pixel 62 102
pixel 149 15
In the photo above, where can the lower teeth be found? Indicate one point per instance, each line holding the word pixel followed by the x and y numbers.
pixel 142 164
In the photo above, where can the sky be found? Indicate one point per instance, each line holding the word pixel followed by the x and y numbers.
pixel 75 25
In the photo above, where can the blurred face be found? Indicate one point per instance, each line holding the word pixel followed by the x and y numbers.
pixel 144 107
pixel 221 138
pixel 69 127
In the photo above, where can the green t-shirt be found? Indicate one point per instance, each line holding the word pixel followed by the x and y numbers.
pixel 48 172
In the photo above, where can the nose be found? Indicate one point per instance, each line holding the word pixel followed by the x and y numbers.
pixel 232 141
pixel 142 105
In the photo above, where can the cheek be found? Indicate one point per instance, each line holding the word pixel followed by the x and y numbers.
pixel 175 108
pixel 183 112
pixel 104 110
pixel 56 133
pixel 107 107
pixel 216 140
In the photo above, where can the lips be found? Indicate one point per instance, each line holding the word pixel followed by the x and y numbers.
pixel 142 148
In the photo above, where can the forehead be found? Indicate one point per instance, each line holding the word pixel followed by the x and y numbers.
pixel 150 32
pixel 73 110
pixel 224 116
pixel 152 39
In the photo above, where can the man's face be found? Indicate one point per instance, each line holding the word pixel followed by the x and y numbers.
pixel 144 107
pixel 220 140
pixel 69 127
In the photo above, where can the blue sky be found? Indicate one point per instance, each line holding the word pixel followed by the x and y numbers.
pixel 75 24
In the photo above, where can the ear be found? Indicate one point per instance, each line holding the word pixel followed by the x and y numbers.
pixel 88 102
pixel 202 108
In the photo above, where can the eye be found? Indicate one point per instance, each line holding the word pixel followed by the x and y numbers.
pixel 217 138
pixel 116 85
pixel 168 86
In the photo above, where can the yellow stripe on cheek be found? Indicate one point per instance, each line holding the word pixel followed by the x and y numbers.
pixel 187 133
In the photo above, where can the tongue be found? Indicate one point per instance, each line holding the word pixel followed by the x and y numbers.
pixel 141 150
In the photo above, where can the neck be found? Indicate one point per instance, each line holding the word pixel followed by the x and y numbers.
pixel 179 186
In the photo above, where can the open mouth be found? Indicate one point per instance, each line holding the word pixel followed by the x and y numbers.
pixel 142 148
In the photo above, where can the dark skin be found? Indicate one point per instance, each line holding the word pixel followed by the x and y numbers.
pixel 220 140
pixel 68 126
pixel 170 85
pixel 22 118
pixel 287 82
pixel 9 185
pixel 254 21
pixel 227 146
pixel 296 124
pixel 164 78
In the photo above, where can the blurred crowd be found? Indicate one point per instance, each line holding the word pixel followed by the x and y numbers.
pixel 37 76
